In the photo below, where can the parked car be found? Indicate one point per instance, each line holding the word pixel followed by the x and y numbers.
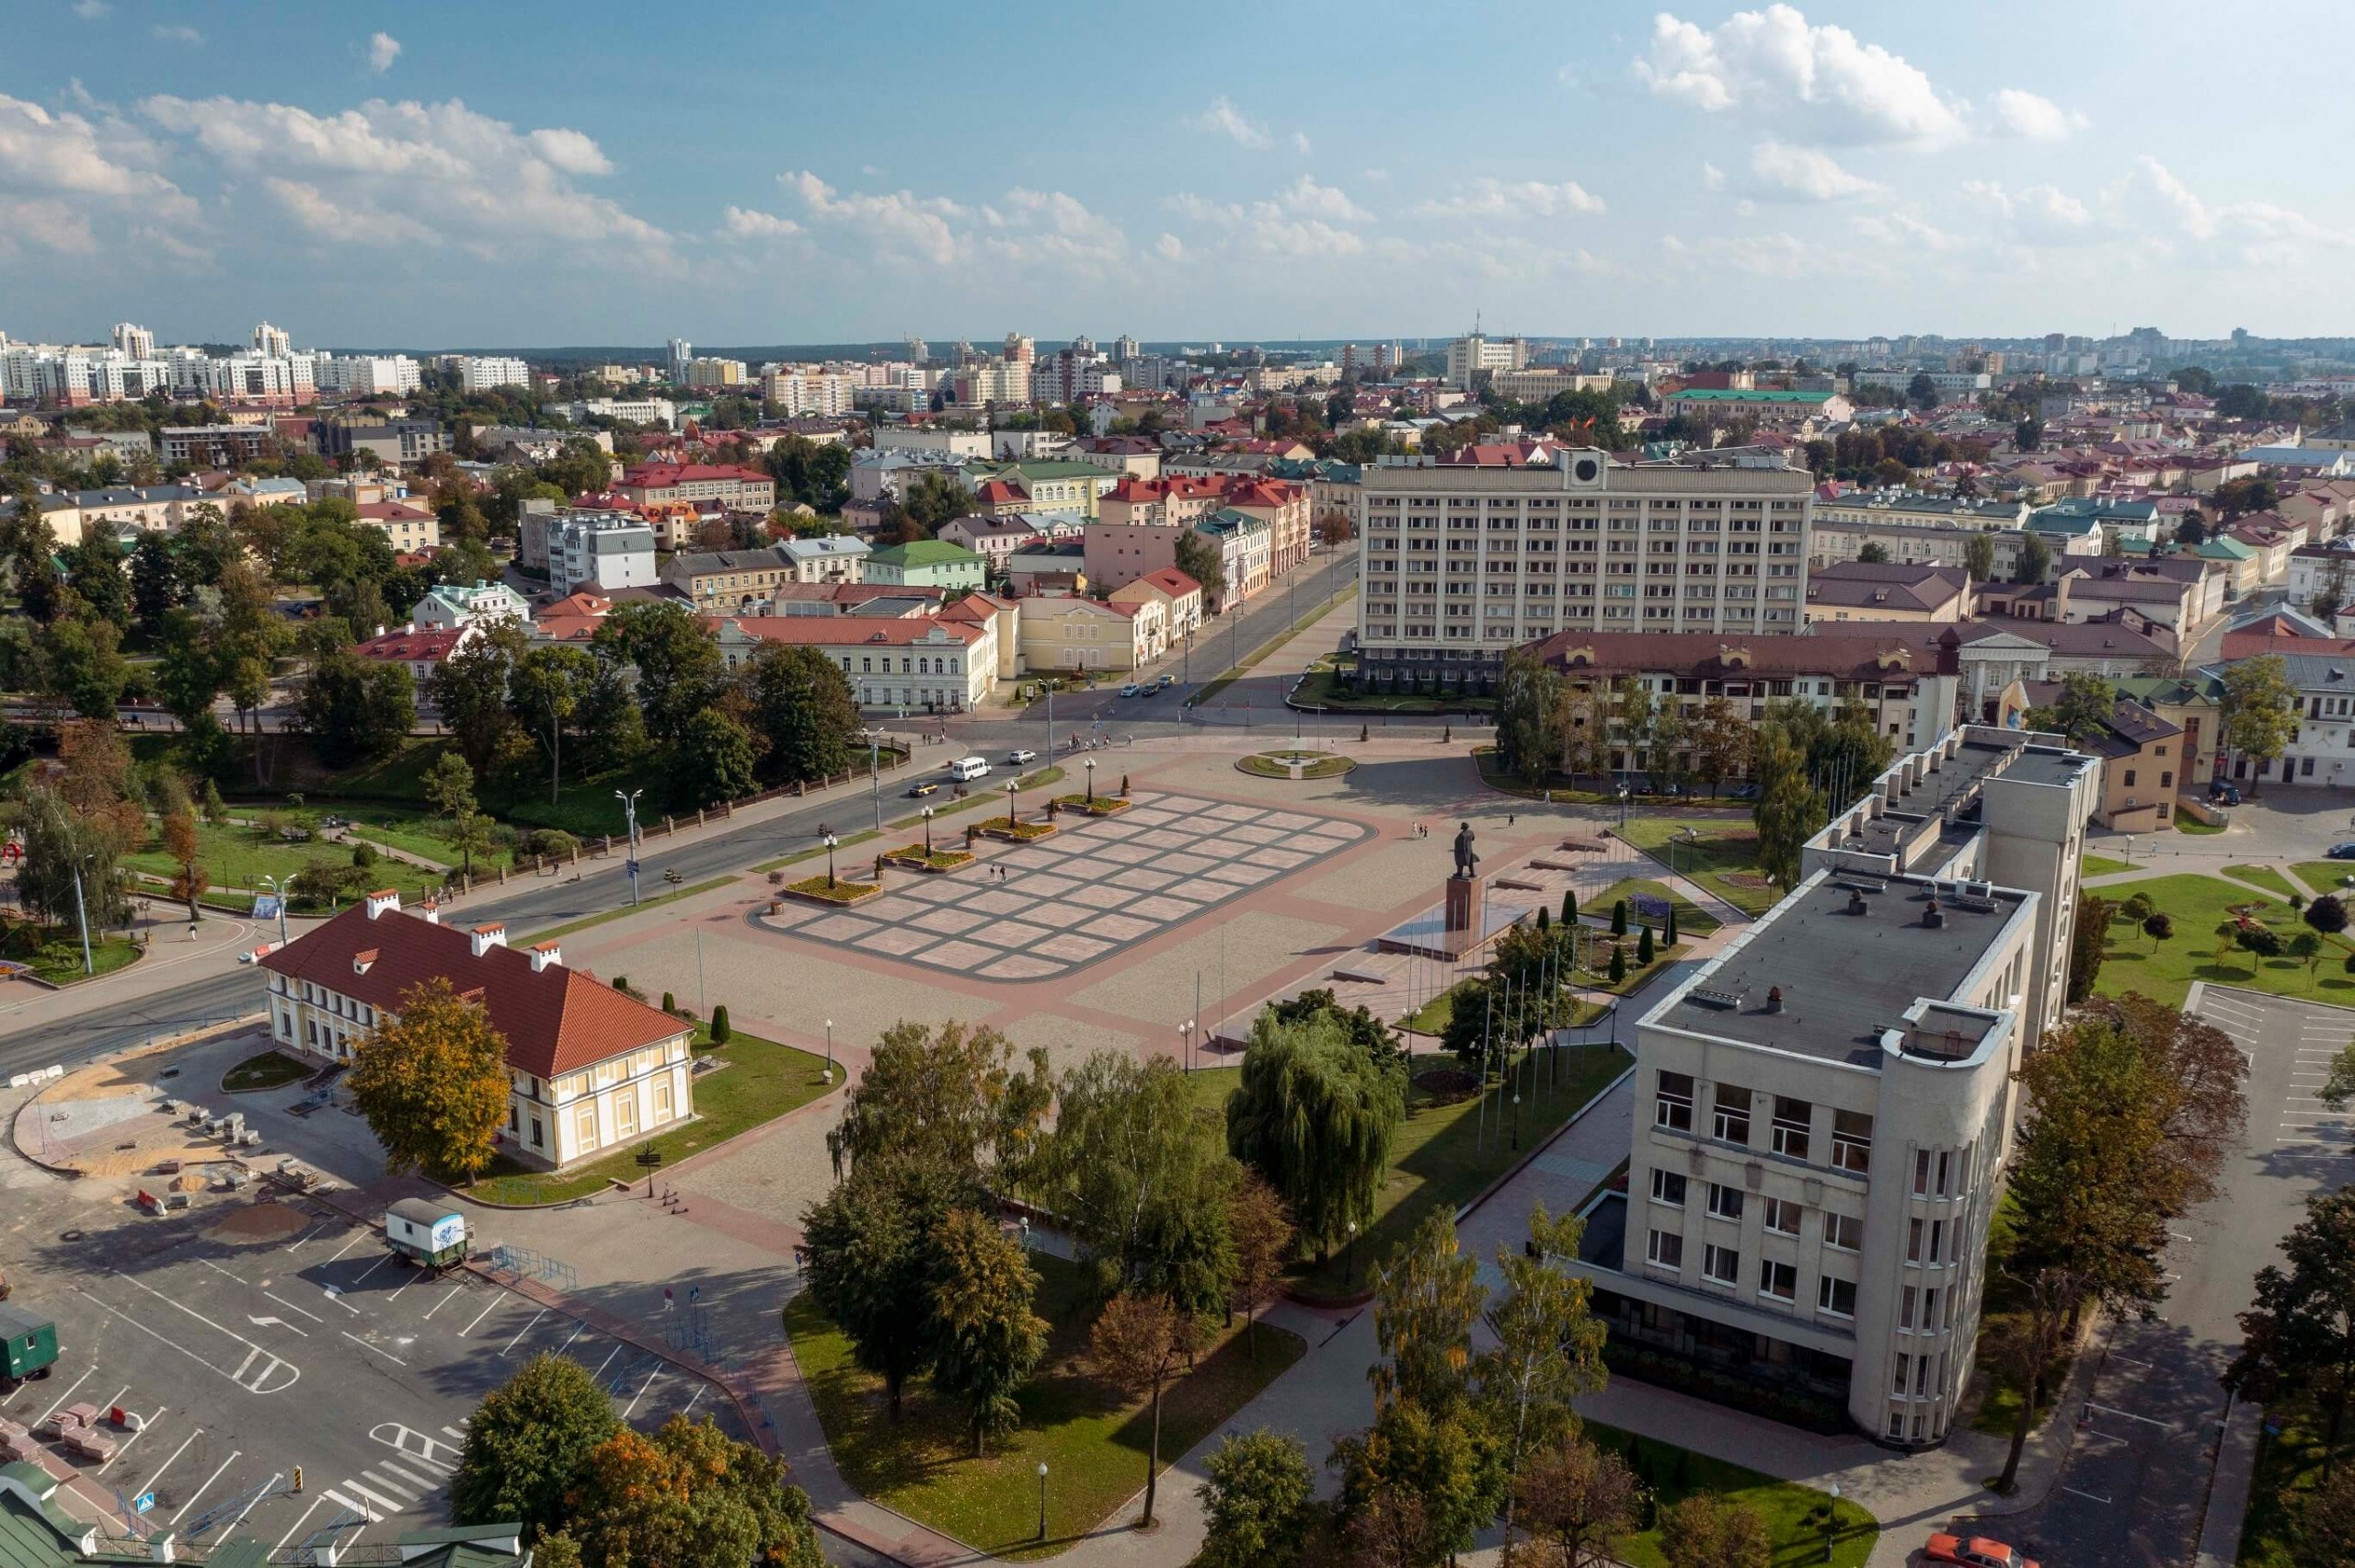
pixel 1979 1552
pixel 1131 690
pixel 2341 851
pixel 918 791
pixel 1166 681
pixel 1743 792
pixel 1022 754
pixel 2224 793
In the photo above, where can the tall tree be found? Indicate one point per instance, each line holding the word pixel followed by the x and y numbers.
pixel 803 706
pixel 1262 1235
pixel 2298 1340
pixel 431 1083
pixel 1137 1346
pixel 155 584
pixel 1548 1347
pixel 1789 809
pixel 713 759
pixel 688 1497
pixel 1448 1462
pixel 1579 1500
pixel 985 1338
pixel 1426 1298
pixel 679 665
pixel 1316 1112
pixel 188 881
pixel 2088 944
pixel 2261 717
pixel 351 707
pixel 1199 558
pixel 80 663
pixel 69 871
pixel 526 1444
pixel 1719 740
pixel 2035 559
pixel 948 1095
pixel 1979 557
pixel 2081 710
pixel 1258 1502
pixel 1708 1531
pixel 870 1261
pixel 544 691
pixel 469 691
pixel 1528 700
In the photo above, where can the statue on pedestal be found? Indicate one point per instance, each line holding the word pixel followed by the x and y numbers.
pixel 1467 862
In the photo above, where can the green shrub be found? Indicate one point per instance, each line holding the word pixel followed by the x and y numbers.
pixel 364 855
pixel 720 1032
pixel 1619 917
pixel 669 1002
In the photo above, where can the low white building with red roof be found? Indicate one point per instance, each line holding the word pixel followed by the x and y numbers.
pixel 732 484
pixel 929 664
pixel 420 650
pixel 588 1069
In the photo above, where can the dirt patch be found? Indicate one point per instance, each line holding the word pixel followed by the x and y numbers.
pixel 188 1182
pixel 259 1222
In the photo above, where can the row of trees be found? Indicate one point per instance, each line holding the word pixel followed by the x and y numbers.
pixel 1547 724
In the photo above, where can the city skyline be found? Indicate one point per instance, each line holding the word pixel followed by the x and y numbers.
pixel 1829 172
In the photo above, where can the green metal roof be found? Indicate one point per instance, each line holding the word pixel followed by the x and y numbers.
pixel 922 552
pixel 1048 468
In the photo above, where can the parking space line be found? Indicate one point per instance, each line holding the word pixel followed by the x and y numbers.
pixel 118 1397
pixel 357 1237
pixel 524 1329
pixel 207 1486
pixel 379 1505
pixel 701 1389
pixel 340 1500
pixel 455 1289
pixel 160 1468
pixel 293 1308
pixel 392 1488
pixel 66 1395
pixel 223 1272
pixel 479 1316
pixel 146 1425
pixel 423 1484
pixel 2087 1496
pixel 641 1391
pixel 577 1328
pixel 291 1246
pixel 336 1296
pixel 297 1525
pixel 268 1490
pixel 371 1269
pixel 600 1373
pixel 238 1377
pixel 378 1349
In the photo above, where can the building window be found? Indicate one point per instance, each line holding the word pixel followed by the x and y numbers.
pixel 1783 1215
pixel 1852 1141
pixel 1929 1308
pixel 1913 1241
pixel 1666 1248
pixel 1668 1187
pixel 1721 1266
pixel 1837 1297
pixel 1725 1202
pixel 1731 1123
pixel 1921 1173
pixel 1904 1374
pixel 537 1139
pixel 1778 1281
pixel 1791 1120
pixel 1673 1109
pixel 1905 1306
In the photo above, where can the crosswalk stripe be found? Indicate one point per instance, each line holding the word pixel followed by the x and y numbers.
pixel 456 1432
pixel 444 1468
pixel 429 1482
pixel 340 1500
pixel 386 1505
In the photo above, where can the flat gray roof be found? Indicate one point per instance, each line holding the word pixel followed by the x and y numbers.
pixel 1972 762
pixel 2040 764
pixel 1844 977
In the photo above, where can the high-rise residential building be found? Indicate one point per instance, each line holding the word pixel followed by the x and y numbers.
pixel 682 352
pixel 136 342
pixel 705 371
pixel 918 351
pixel 1019 350
pixel 367 375
pixel 1468 356
pixel 1825 1109
pixel 478 372
pixel 1464 560
pixel 272 342
pixel 1124 349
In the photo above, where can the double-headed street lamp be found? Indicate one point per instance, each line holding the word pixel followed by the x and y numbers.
pixel 927 832
pixel 830 841
pixel 277 891
pixel 629 805
pixel 1009 805
pixel 1091 781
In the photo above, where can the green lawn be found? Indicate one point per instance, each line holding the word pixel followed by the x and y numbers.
pixel 762 1082
pixel 1792 1512
pixel 267 1070
pixel 2102 865
pixel 1434 1016
pixel 2197 829
pixel 1093 1441
pixel 1445 1153
pixel 1691 919
pixel 585 806
pixel 2263 877
pixel 58 959
pixel 2288 1469
pixel 1722 855
pixel 2325 875
pixel 2198 905
pixel 237 858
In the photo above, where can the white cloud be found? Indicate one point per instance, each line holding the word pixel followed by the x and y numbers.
pixel 44 220
pixel 1712 177
pixel 1171 247
pixel 1047 227
pixel 1222 119
pixel 743 222
pixel 1300 142
pixel 1310 199
pixel 1906 230
pixel 439 169
pixel 1025 227
pixel 91 10
pixel 40 150
pixel 2151 202
pixel 2034 119
pixel 1269 228
pixel 329 220
pixel 178 34
pixel 1802 174
pixel 1772 66
pixel 1515 201
pixel 1775 255
pixel 898 221
pixel 2039 210
pixel 383 50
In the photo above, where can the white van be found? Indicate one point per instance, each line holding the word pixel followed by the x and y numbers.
pixel 965 768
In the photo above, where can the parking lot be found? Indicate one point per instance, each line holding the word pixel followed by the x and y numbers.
pixel 256 1341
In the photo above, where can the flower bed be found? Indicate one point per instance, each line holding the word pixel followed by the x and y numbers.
pixel 1020 834
pixel 1102 805
pixel 843 891
pixel 915 857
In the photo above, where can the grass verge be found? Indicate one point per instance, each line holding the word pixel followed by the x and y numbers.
pixel 674 896
pixel 2198 830
pixel 1722 855
pixel 1445 1153
pixel 2102 865
pixel 2263 877
pixel 2289 1470
pixel 1092 1441
pixel 58 959
pixel 1691 919
pixel 1794 1513
pixel 267 1070
pixel 2325 875
pixel 762 1082
pixel 1277 764
pixel 1434 1016
pixel 2164 971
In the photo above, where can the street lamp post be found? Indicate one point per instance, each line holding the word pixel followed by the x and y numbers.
pixel 1831 1519
pixel 1043 1499
pixel 829 860
pixel 1350 1274
pixel 279 892
pixel 1091 781
pixel 1009 805
pixel 927 832
pixel 83 915
pixel 830 1051
pixel 875 778
pixel 629 805
pixel 1516 1120
pixel 1186 1042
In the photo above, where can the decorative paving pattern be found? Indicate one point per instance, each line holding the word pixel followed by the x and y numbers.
pixel 1100 886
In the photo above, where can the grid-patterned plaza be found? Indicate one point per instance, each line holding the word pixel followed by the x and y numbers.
pixel 1100 886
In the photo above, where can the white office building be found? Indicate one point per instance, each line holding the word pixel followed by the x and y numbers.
pixel 483 372
pixel 1468 357
pixel 600 550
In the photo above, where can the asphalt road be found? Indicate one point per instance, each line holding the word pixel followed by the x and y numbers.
pixel 2135 1485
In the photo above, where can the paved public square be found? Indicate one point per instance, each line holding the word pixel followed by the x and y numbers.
pixel 1097 887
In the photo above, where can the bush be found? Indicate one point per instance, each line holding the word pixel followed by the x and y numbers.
pixel 364 855
pixel 553 844
pixel 720 1031
pixel 2140 907
pixel 1643 946
pixel 1618 963
pixel 1619 917
pixel 670 1003
pixel 2262 940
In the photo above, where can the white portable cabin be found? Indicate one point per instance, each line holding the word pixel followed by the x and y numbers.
pixel 429 1231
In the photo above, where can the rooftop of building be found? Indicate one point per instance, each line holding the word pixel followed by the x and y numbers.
pixel 1848 965
pixel 1887 585
pixel 921 553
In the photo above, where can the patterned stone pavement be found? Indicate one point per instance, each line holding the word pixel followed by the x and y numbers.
pixel 1099 886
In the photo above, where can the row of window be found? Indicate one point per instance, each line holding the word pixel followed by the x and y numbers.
pixel 1790 1132
pixel 1776 1281
pixel 1780 1214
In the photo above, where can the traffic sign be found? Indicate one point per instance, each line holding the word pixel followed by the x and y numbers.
pixel 630 866
pixel 144 1502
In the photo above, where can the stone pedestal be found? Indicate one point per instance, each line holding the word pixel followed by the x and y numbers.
pixel 1467 899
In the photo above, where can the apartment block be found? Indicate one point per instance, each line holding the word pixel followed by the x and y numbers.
pixel 1463 561
pixel 1825 1108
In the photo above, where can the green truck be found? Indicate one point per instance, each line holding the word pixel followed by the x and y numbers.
pixel 29 1342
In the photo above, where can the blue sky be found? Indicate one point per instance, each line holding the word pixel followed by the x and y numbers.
pixel 532 174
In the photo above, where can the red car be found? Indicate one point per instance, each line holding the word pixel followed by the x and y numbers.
pixel 1979 1552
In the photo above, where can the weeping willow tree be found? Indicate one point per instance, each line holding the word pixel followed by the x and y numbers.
pixel 1316 1113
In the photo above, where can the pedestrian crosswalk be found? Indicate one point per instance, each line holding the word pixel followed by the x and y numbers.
pixel 418 1467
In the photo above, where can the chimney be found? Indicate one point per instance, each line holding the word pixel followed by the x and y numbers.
pixel 487 937
pixel 387 901
pixel 546 955
pixel 432 911
pixel 1856 905
pixel 1932 916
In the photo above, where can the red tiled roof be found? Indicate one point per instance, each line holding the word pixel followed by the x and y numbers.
pixel 554 1021
pixel 410 645
pixel 1172 581
pixel 847 631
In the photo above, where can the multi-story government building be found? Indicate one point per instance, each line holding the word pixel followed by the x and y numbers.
pixel 1824 1111
pixel 1464 560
